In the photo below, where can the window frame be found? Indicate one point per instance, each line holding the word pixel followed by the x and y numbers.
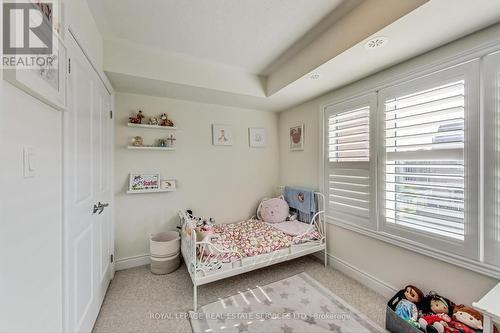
pixel 401 74
pixel 491 150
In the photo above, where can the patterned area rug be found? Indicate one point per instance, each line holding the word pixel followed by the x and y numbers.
pixel 296 304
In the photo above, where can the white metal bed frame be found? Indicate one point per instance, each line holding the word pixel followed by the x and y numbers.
pixel 204 269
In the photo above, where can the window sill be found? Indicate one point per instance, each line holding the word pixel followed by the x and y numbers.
pixel 475 266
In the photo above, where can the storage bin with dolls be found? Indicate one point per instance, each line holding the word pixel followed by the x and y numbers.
pixel 409 311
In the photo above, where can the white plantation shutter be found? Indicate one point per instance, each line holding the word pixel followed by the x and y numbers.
pixel 350 166
pixel 492 159
pixel 428 134
pixel 417 164
pixel 349 135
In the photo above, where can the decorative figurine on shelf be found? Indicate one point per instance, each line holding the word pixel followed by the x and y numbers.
pixel 171 141
pixel 137 119
pixel 165 121
pixel 161 143
pixel 137 141
pixel 153 121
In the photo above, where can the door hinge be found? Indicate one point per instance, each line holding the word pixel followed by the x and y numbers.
pixel 110 114
pixel 112 258
pixel 69 65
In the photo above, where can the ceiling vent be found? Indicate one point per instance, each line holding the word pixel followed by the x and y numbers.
pixel 376 43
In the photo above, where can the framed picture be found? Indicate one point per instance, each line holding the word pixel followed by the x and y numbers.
pixel 297 137
pixel 222 135
pixel 168 184
pixel 257 137
pixel 53 11
pixel 140 181
pixel 46 80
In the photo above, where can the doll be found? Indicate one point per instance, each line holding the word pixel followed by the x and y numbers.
pixel 406 303
pixel 437 313
pixel 411 293
pixel 465 320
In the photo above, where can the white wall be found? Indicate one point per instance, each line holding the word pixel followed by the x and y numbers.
pixel 31 208
pixel 222 182
pixel 390 264
pixel 30 215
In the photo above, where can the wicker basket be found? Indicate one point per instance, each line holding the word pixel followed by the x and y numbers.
pixel 165 244
pixel 165 252
pixel 165 265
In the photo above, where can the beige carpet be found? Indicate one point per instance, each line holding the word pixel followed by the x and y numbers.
pixel 138 301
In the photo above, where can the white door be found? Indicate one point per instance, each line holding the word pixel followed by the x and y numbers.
pixel 87 160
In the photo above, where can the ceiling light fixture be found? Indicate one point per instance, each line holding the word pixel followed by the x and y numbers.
pixel 314 76
pixel 376 43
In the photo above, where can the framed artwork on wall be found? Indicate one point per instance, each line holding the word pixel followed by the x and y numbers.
pixel 48 83
pixel 297 137
pixel 257 137
pixel 44 76
pixel 222 135
pixel 141 181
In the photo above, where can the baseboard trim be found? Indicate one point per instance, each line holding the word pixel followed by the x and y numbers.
pixel 359 275
pixel 131 262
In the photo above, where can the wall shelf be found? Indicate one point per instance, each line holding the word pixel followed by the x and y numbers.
pixel 150 191
pixel 168 128
pixel 150 148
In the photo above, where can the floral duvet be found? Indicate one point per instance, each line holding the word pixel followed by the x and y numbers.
pixel 254 237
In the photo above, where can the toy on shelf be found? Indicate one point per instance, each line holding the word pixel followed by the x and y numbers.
pixel 170 141
pixel 161 143
pixel 137 119
pixel 138 141
pixel 165 121
pixel 153 121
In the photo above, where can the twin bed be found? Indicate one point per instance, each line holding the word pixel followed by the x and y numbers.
pixel 248 245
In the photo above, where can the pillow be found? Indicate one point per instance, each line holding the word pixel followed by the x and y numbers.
pixel 274 210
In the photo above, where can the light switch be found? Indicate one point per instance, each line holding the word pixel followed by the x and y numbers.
pixel 29 162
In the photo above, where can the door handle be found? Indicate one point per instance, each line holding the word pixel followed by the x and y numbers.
pixel 99 207
pixel 102 206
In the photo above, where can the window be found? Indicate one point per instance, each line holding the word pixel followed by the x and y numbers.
pixel 427 157
pixel 350 164
pixel 416 163
pixel 424 167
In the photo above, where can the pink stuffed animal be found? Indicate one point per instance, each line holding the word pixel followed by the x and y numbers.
pixel 274 210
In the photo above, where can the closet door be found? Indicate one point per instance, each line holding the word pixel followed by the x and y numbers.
pixel 87 161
